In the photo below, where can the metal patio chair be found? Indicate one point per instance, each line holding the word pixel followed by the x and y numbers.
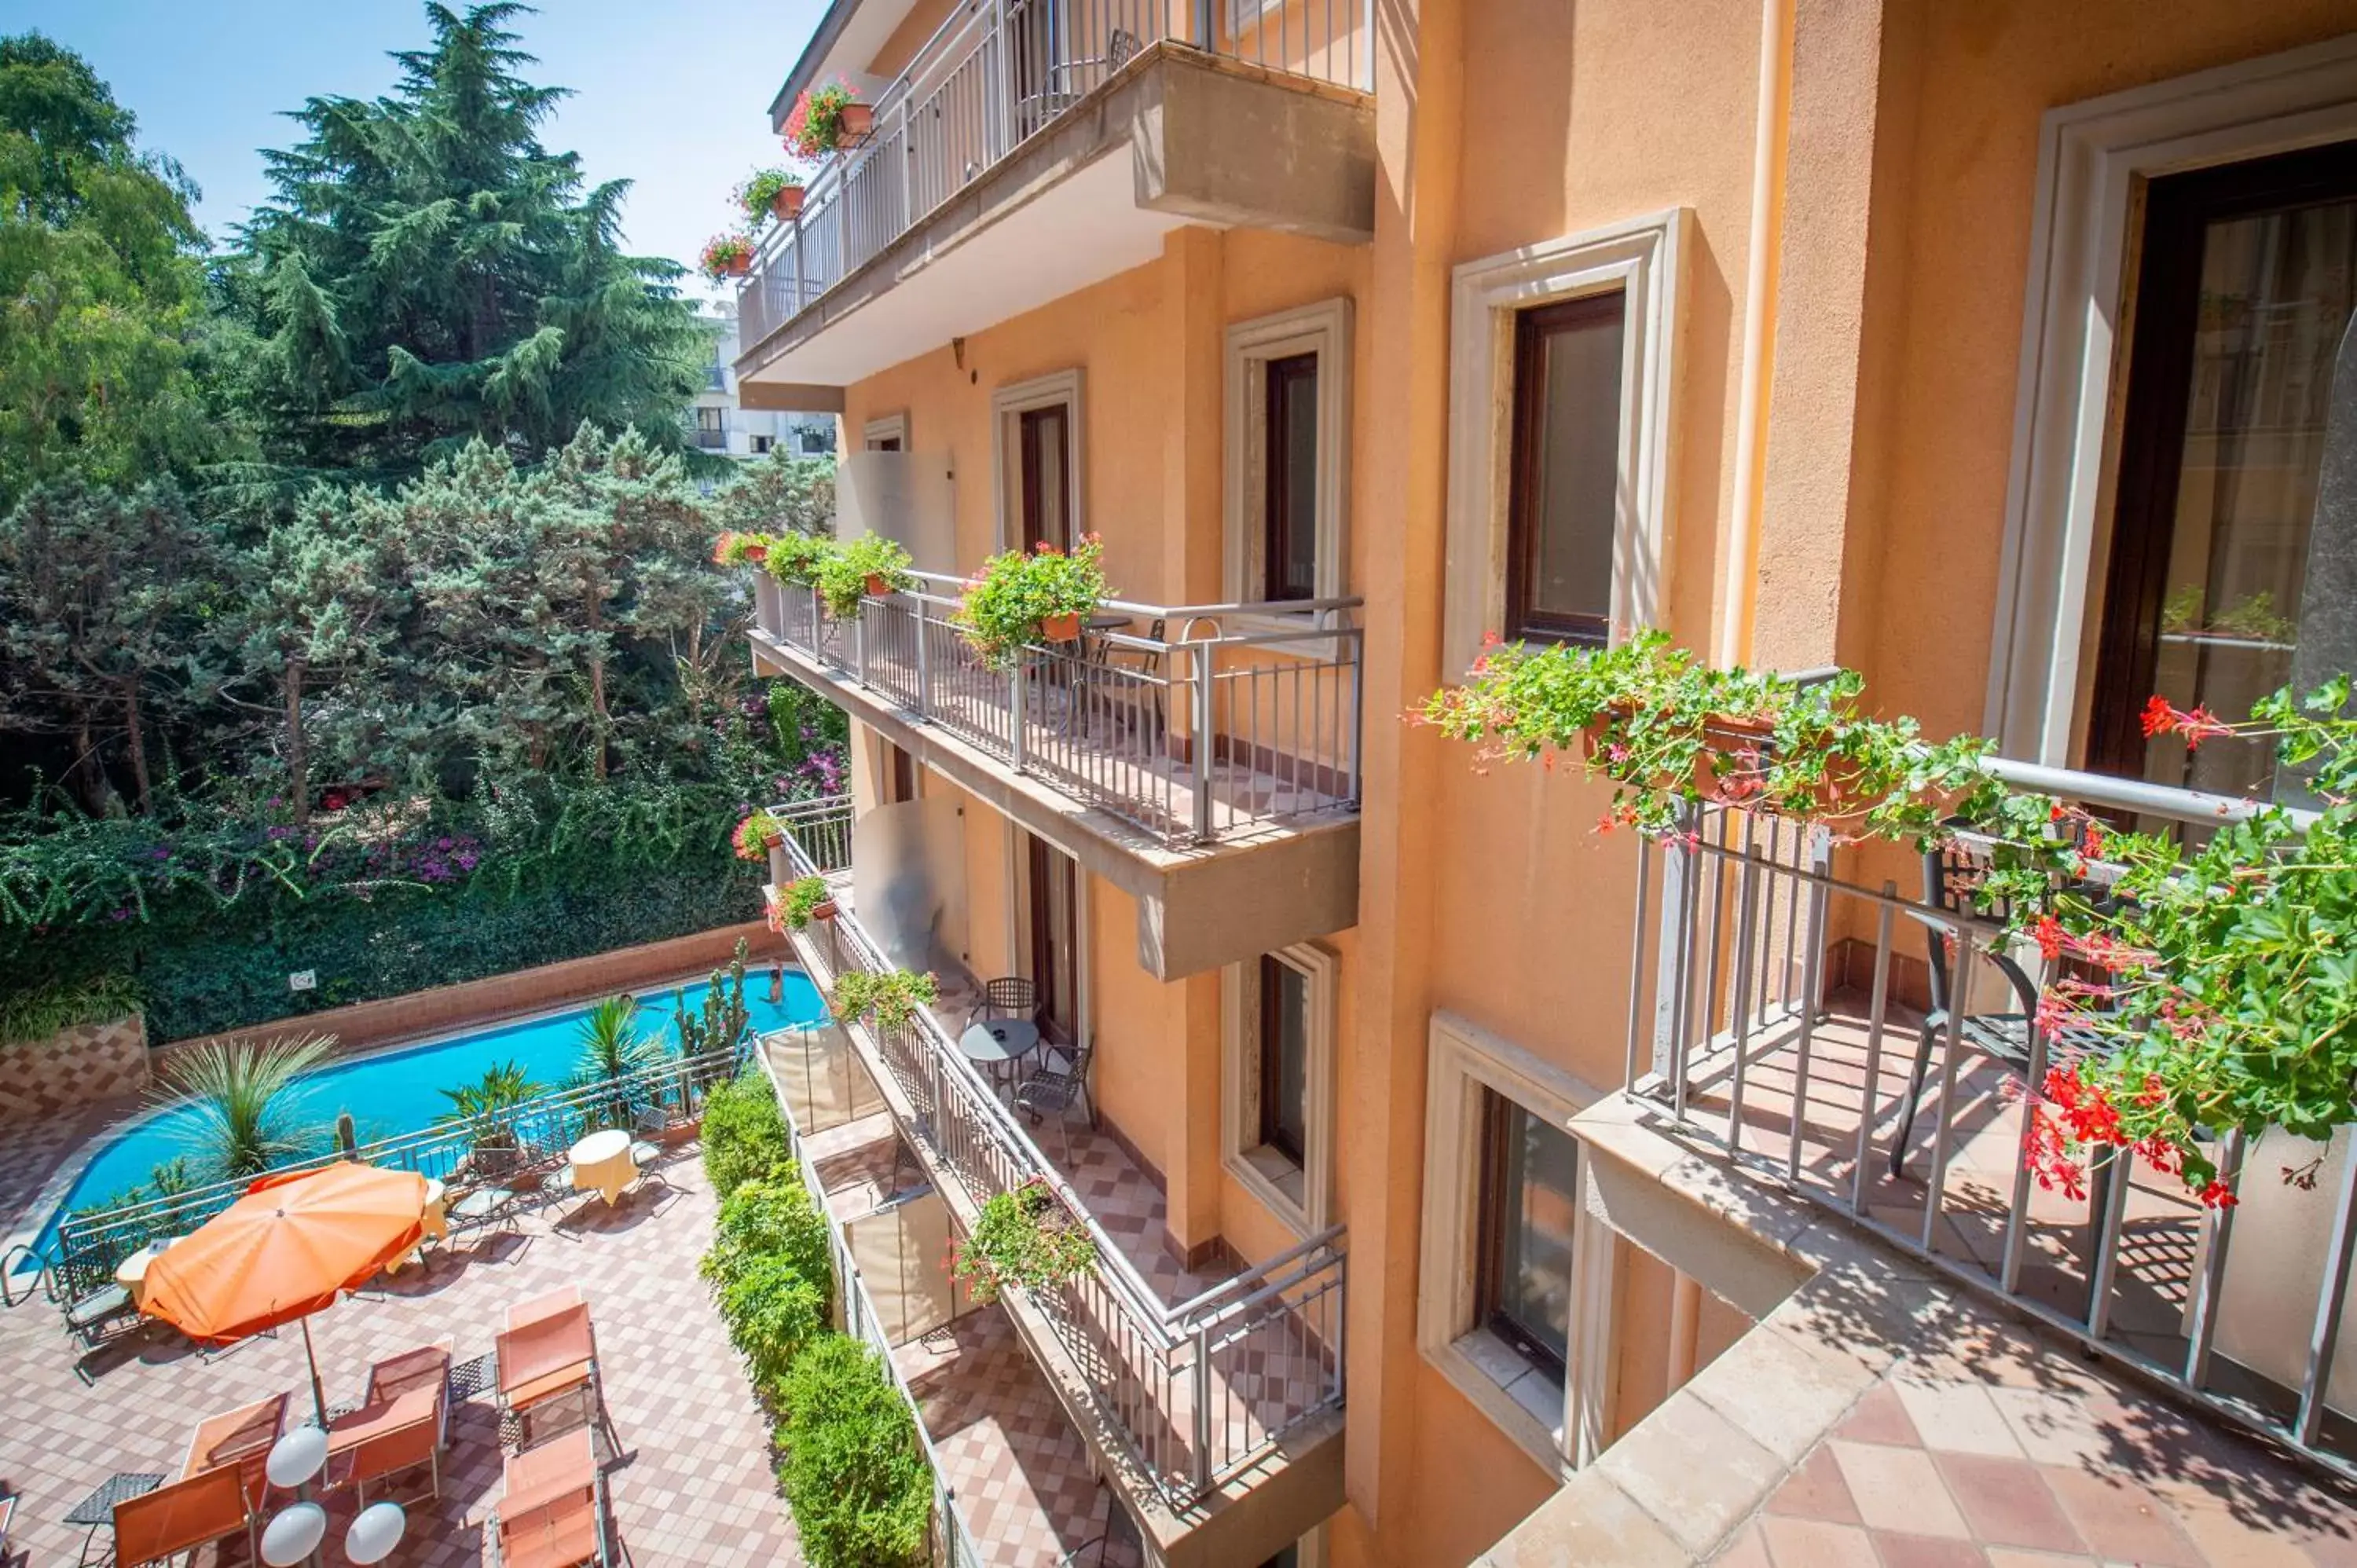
pixel 1009 996
pixel 1060 1080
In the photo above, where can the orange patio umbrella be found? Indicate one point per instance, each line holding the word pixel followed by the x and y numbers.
pixel 285 1249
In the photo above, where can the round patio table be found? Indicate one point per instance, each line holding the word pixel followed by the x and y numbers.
pixel 602 1164
pixel 435 1227
pixel 132 1273
pixel 996 1045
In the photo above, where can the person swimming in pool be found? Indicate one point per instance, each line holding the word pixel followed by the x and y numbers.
pixel 777 983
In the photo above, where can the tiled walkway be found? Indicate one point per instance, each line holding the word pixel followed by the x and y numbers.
pixel 693 1484
pixel 2001 1451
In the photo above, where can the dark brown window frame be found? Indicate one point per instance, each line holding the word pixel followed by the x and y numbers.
pixel 1524 621
pixel 2178 211
pixel 1273 1131
pixel 1044 863
pixel 1279 525
pixel 1033 481
pixel 1491 1217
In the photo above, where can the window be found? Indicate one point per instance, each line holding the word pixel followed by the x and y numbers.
pixel 1530 1198
pixel 1565 473
pixel 1289 539
pixel 1284 1059
pixel 1286 455
pixel 1516 1290
pixel 1053 891
pixel 2245 290
pixel 712 429
pixel 1044 439
pixel 761 444
pixel 1036 453
pixel 1561 361
pixel 1276 1080
pixel 900 775
pixel 889 434
pixel 2097 162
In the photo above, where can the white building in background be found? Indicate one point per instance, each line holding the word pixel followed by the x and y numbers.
pixel 717 425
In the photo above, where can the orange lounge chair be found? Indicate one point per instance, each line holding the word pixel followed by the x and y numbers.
pixel 239 1439
pixel 537 1307
pixel 554 1512
pixel 195 1510
pixel 549 1355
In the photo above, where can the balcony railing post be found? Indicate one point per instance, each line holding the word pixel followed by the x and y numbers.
pixel 1002 82
pixel 1206 38
pixel 1015 685
pixel 801 295
pixel 1204 675
pixel 859 644
pixel 1202 1469
pixel 1357 718
pixel 924 668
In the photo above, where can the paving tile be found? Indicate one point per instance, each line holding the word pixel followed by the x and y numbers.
pixel 1747 1549
pixel 2006 1503
pixel 1958 1418
pixel 2119 1523
pixel 1815 1490
pixel 1812 1543
pixel 1898 1489
pixel 1879 1417
pixel 1898 1550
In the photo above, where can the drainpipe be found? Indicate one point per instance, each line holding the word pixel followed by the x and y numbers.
pixel 1768 139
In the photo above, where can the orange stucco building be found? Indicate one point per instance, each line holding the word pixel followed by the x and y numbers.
pixel 1814 331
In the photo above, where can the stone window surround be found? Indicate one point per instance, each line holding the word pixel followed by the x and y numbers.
pixel 2094 159
pixel 1645 258
pixel 1064 389
pixel 885 428
pixel 1301 1198
pixel 1463 1061
pixel 1323 328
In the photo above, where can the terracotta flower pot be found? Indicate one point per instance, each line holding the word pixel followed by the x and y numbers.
pixel 787 204
pixel 876 587
pixel 757 552
pixel 823 910
pixel 737 266
pixel 856 123
pixel 1059 628
pixel 1729 767
pixel 773 841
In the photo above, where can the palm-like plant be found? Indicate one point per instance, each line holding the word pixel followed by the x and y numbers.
pixel 247 1113
pixel 613 1048
pixel 490 1103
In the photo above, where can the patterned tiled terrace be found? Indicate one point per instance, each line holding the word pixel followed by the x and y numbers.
pixel 692 1484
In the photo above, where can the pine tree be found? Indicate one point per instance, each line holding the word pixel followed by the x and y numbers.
pixel 429 274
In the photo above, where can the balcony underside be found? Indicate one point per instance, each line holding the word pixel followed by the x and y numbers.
pixel 1178 137
pixel 1265 887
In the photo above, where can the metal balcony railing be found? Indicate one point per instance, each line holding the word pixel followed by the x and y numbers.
pixel 1198 1391
pixel 993 74
pixel 1780 1010
pixel 1194 737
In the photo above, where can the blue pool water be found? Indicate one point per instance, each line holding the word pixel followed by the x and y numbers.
pixel 400 1091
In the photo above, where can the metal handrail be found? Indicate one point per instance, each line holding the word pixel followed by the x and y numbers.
pixel 1182 1339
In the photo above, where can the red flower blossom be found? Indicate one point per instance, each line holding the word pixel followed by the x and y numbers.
pixel 2048 932
pixel 2218 1195
pixel 2159 718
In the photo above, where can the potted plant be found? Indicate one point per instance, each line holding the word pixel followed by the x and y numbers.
pixel 728 256
pixel 824 119
pixel 869 566
pixel 771 193
pixel 1018 598
pixel 490 1105
pixel 794 559
pixel 734 549
pixel 757 835
pixel 806 899
pixel 1026 1238
pixel 891 996
pixel 1671 731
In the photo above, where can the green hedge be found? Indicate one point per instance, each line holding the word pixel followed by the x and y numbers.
pixel 744 1134
pixel 855 1472
pixel 228 969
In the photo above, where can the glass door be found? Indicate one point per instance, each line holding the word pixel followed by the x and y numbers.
pixel 2244 291
pixel 1055 936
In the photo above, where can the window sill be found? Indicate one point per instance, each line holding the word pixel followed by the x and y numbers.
pixel 1278 1183
pixel 1525 1403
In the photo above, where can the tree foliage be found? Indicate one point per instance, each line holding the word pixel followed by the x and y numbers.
pixel 101 291
pixel 428 273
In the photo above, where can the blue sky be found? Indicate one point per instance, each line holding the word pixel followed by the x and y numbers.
pixel 670 95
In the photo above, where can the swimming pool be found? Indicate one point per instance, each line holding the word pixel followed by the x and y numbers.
pixel 398 1089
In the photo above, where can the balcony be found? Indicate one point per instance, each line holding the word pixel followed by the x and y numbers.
pixel 1212 1400
pixel 1212 774
pixel 1113 123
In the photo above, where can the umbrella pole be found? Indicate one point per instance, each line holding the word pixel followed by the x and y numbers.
pixel 318 1394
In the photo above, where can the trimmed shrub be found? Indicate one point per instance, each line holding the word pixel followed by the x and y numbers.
pixel 855 1472
pixel 744 1134
pixel 773 1311
pixel 770 1217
